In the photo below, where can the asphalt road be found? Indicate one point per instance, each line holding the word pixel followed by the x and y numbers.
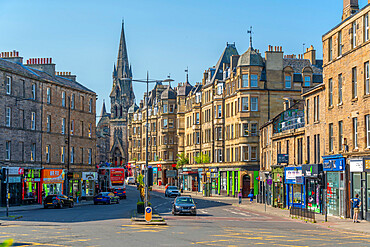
pixel 218 223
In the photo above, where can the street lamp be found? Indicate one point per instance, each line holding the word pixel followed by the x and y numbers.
pixel 147 81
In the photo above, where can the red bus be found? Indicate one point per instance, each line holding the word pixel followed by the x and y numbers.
pixel 111 178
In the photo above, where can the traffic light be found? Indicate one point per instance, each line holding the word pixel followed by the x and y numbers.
pixel 150 176
pixel 3 174
pixel 321 178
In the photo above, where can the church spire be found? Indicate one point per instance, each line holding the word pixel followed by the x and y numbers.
pixel 122 59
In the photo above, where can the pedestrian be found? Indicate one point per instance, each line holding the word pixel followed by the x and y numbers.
pixel 356 204
pixel 251 196
pixel 240 197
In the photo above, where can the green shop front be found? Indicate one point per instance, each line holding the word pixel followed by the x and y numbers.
pixel 278 191
pixel 75 186
pixel 313 174
pixel 233 180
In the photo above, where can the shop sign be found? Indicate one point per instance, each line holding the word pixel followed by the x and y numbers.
pixel 89 176
pixel 229 169
pixel 283 158
pixel 155 170
pixel 213 169
pixel 159 166
pixel 293 174
pixel 51 176
pixel 77 175
pixel 367 164
pixel 311 170
pixel 334 164
pixel 214 175
pixel 356 166
pixel 15 170
pixel 171 173
pixel 299 180
pixel 16 179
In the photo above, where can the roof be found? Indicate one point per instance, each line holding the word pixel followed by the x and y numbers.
pixel 299 64
pixel 169 93
pixel 250 58
pixel 184 89
pixel 133 108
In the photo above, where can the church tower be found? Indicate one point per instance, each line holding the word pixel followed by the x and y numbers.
pixel 121 97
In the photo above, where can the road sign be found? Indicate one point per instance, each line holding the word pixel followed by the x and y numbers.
pixel 148 214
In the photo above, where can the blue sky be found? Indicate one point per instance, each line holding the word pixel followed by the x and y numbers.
pixel 163 36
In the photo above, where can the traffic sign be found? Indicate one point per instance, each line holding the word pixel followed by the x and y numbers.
pixel 148 214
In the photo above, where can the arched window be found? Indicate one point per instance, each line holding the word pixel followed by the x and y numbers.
pixel 115 111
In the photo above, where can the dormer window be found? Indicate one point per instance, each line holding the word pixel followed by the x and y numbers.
pixel 135 116
pixel 164 108
pixel 288 81
pixel 198 97
pixel 140 116
pixel 307 81
pixel 220 88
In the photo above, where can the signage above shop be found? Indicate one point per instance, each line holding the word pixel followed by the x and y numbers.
pixel 283 158
pixel 292 174
pixel 15 171
pixel 367 164
pixel 51 176
pixel 311 170
pixel 89 175
pixel 171 173
pixel 356 165
pixel 333 164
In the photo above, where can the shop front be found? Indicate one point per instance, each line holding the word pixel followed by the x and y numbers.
pixel 88 184
pixel 229 181
pixel 190 179
pixel 295 187
pixel 360 184
pixel 15 187
pixel 31 186
pixel 312 174
pixel 278 192
pixel 52 181
pixel 75 186
pixel 334 167
pixel 265 187
pixel 214 180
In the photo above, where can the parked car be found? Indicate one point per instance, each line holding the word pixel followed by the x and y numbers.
pixel 120 192
pixel 58 201
pixel 184 205
pixel 130 180
pixel 106 198
pixel 172 191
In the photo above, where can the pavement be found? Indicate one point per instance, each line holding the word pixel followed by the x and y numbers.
pixel 333 222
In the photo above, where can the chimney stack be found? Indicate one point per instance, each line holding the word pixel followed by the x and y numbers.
pixel 349 8
pixel 310 54
pixel 12 56
pixel 43 64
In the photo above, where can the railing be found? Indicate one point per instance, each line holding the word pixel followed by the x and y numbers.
pixel 303 213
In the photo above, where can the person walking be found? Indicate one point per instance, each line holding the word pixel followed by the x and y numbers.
pixel 240 197
pixel 251 195
pixel 356 204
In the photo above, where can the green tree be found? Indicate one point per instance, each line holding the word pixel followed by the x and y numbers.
pixel 181 160
pixel 202 158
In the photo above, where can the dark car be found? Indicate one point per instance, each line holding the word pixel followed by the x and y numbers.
pixel 120 192
pixel 58 201
pixel 106 198
pixel 172 191
pixel 184 205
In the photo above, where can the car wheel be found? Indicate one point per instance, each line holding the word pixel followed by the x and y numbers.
pixel 117 202
pixel 95 203
pixel 124 197
pixel 61 205
pixel 71 205
pixel 45 206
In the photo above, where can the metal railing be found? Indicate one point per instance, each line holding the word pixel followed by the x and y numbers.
pixel 303 213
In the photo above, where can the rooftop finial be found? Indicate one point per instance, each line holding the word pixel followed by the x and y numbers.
pixel 250 36
pixel 187 73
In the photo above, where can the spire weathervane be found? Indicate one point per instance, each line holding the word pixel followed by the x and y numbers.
pixel 187 74
pixel 250 36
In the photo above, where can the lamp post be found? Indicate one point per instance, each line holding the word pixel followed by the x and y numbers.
pixel 147 81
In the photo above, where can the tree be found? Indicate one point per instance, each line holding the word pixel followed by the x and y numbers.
pixel 202 158
pixel 181 160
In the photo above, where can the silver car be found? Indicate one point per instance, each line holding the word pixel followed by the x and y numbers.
pixel 184 205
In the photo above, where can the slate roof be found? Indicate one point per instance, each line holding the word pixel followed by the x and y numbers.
pixel 40 75
pixel 250 58
pixel 299 64
pixel 184 90
pixel 169 93
pixel 133 108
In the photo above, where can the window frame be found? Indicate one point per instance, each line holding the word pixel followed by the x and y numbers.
pixel 286 81
pixel 254 81
pixel 367 121
pixel 8 147
pixel 8 116
pixel 245 103
pixel 331 137
pixel 48 95
pixel 354 83
pixel 33 120
pixel 367 79
pixel 8 85
pixel 245 80
pixel 254 104
pixel 340 89
pixel 330 91
pixel 355 132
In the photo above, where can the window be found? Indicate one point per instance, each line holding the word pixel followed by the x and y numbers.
pixel 90 131
pixel 33 96
pixel 316 102
pixel 48 95
pixel 197 118
pixel 245 104
pixel 220 88
pixel 90 156
pixel 171 108
pixel 254 80
pixel 354 29
pixel 170 123
pixel 72 127
pixel 367 119
pixel 82 128
pixel 245 153
pixel 33 121
pixel 245 129
pixel 367 83
pixel 354 83
pixel 164 108
pixel 62 153
pixel 33 152
pixel 340 135
pixel 8 116
pixel 331 139
pixel 330 92
pixel 90 105
pixel 355 133
pixel 340 89
pixel 219 111
pixel 330 49
pixel 48 123
pixel 253 153
pixel 307 81
pixel 64 99
pixel 7 150
pixel 63 126
pixel 232 131
pixel 300 150
pixel 366 27
pixel 340 46
pixel 82 155
pixel 308 111
pixel 197 137
pixel 73 102
pixel 245 80
pixel 308 150
pixel 253 129
pixel 254 104
pixel 72 155
pixel 8 85
pixel 288 81
pixel 47 152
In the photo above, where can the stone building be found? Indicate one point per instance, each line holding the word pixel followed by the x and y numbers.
pixel 51 118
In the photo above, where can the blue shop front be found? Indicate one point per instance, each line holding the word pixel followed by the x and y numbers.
pixel 295 187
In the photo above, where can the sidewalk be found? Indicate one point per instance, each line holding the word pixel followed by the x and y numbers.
pixel 38 206
pixel 333 222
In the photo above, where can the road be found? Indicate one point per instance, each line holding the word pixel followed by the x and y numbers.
pixel 218 223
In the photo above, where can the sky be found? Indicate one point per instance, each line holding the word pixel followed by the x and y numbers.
pixel 163 37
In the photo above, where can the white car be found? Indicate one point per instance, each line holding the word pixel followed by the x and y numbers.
pixel 130 180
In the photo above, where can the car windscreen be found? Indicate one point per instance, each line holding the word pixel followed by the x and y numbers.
pixel 172 187
pixel 105 193
pixel 184 200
